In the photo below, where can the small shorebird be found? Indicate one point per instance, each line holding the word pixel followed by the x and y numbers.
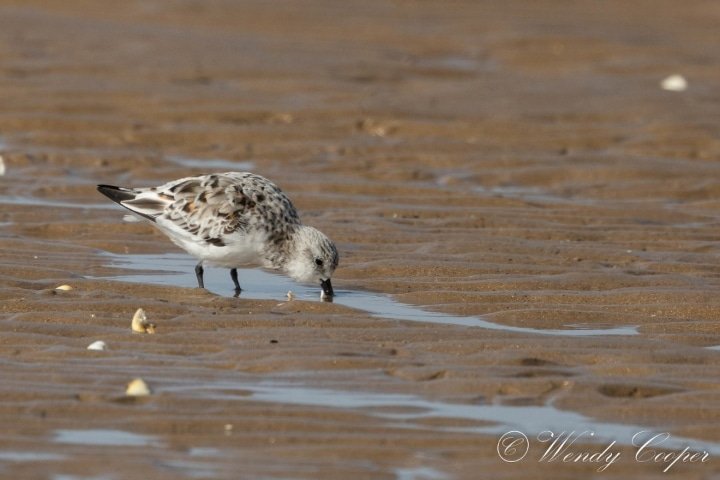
pixel 234 219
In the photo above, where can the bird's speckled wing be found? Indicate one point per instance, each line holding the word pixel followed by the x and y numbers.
pixel 214 208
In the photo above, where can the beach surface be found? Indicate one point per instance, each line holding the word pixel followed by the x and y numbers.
pixel 527 223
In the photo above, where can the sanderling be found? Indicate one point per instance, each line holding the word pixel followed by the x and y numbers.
pixel 231 220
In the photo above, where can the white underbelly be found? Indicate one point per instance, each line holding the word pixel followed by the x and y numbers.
pixel 239 251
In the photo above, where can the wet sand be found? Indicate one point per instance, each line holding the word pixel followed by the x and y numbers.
pixel 513 161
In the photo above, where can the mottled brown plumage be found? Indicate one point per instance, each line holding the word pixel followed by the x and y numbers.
pixel 234 219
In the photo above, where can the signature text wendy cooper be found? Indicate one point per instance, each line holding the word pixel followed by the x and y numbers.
pixel 572 447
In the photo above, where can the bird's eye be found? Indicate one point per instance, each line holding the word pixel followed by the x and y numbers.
pixel 318 262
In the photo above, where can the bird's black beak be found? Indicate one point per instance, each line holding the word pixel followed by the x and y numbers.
pixel 327 289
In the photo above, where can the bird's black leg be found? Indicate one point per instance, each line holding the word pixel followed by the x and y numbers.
pixel 233 275
pixel 199 274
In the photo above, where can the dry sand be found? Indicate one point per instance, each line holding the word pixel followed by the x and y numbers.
pixel 516 160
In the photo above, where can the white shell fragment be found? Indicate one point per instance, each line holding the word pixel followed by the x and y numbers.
pixel 98 345
pixel 290 296
pixel 131 219
pixel 2 166
pixel 140 323
pixel 64 288
pixel 138 388
pixel 674 83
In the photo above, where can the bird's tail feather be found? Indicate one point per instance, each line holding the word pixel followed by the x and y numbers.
pixel 116 194
pixel 137 201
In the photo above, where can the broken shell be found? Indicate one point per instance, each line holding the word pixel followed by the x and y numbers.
pixel 131 219
pixel 64 288
pixel 140 323
pixel 290 296
pixel 674 83
pixel 98 345
pixel 138 388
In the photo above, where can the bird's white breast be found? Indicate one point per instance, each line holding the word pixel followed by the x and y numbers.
pixel 239 249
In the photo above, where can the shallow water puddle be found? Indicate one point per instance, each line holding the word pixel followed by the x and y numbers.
pixel 44 202
pixel 178 269
pixel 105 438
pixel 75 477
pixel 484 419
pixel 533 195
pixel 419 473
pixel 16 456
pixel 211 163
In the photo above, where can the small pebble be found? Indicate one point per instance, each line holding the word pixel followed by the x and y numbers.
pixel 64 288
pixel 2 166
pixel 138 388
pixel 140 323
pixel 282 118
pixel 98 345
pixel 374 127
pixel 674 83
